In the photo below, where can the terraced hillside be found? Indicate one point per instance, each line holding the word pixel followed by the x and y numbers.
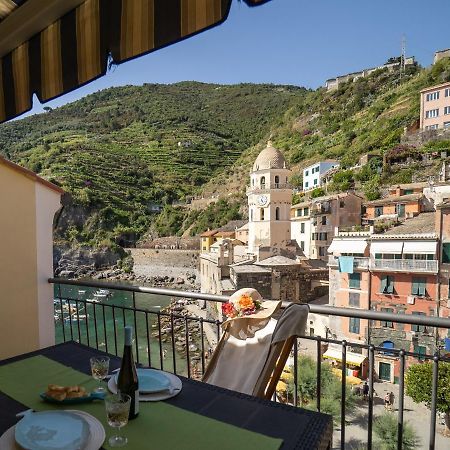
pixel 122 150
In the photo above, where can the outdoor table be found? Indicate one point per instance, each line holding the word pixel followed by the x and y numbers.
pixel 296 427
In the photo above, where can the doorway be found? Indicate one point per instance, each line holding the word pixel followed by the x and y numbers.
pixel 385 371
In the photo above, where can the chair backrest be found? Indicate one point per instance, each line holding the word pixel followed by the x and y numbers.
pixel 271 361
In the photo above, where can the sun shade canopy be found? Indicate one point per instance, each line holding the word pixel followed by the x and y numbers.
pixel 354 359
pixel 388 247
pixel 420 247
pixel 348 246
pixel 71 49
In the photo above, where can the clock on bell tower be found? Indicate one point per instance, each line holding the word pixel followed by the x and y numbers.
pixel 269 201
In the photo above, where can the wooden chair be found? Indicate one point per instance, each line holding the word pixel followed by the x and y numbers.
pixel 276 359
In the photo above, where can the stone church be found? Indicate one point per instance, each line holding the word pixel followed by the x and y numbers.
pixel 270 262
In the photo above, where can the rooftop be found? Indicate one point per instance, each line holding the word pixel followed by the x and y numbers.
pixel 232 225
pixel 421 224
pixel 396 198
pixel 249 268
pixel 30 174
pixel 277 260
pixel 270 158
pixel 436 86
pixel 419 185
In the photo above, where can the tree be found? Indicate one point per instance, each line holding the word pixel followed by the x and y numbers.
pixel 317 192
pixel 385 428
pixel 371 188
pixel 418 382
pixel 331 386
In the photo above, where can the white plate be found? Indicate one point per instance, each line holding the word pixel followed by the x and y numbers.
pixel 173 390
pixel 150 380
pixel 52 430
pixel 96 431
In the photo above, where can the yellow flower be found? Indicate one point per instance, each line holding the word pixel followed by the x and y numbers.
pixel 246 302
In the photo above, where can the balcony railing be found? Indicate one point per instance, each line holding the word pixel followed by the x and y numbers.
pixel 175 341
pixel 266 187
pixel 358 262
pixel 404 265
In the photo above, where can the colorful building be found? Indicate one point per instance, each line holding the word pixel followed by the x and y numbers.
pixel 435 107
pixel 312 174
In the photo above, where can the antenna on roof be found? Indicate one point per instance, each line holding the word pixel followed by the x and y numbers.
pixel 403 57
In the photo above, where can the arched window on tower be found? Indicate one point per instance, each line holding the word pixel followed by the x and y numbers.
pixel 263 182
pixel 277 180
pixel 277 213
pixel 261 213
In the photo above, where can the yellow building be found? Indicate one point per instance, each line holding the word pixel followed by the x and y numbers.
pixel 207 239
pixel 28 205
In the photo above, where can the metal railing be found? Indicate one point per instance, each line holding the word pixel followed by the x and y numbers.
pixel 267 186
pixel 358 262
pixel 404 265
pixel 96 324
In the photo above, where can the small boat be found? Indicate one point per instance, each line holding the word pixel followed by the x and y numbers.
pixel 74 317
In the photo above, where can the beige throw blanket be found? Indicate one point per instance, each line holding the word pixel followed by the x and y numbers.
pixel 244 347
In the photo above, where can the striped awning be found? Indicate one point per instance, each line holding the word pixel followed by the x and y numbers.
pixel 74 49
pixel 8 6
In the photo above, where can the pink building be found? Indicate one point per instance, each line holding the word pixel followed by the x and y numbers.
pixel 435 107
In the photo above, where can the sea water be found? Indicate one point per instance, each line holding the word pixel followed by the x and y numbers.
pixel 104 325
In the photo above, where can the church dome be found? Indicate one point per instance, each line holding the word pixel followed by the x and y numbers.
pixel 270 158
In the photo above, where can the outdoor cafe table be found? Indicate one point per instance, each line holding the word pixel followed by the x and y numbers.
pixel 292 428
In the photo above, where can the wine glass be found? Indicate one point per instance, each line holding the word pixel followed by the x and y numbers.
pixel 99 369
pixel 117 411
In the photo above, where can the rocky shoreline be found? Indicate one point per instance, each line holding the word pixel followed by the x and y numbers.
pixel 177 307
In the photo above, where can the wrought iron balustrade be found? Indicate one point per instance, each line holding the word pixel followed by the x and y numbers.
pixel 97 324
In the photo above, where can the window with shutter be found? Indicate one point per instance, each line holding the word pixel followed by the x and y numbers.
pixel 446 252
pixel 419 286
pixel 354 280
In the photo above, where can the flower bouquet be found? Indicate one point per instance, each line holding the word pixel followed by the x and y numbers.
pixel 240 306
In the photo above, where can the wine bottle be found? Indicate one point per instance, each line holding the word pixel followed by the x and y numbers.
pixel 127 382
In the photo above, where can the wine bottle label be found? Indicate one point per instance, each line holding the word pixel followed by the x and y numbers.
pixel 136 402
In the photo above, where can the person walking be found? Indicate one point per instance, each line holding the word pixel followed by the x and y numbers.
pixel 391 401
pixel 365 391
pixel 386 400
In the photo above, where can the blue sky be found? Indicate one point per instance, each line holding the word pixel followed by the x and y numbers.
pixel 300 42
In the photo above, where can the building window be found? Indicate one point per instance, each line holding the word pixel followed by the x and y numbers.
pixel 354 280
pixel 432 113
pixel 387 323
pixel 446 125
pixel 420 350
pixel 420 328
pixel 306 184
pixel 353 325
pixel 263 182
pixel 353 299
pixel 306 211
pixel 321 251
pixel 261 213
pixel 447 110
pixel 302 228
pixel 298 212
pixel 306 173
pixel 432 127
pixel 324 220
pixel 433 96
pixel 323 236
pixel 277 213
pixel 341 203
pixel 419 286
pixel 302 245
pixel 251 215
pixel 446 252
pixel 378 211
pixel 447 92
pixel 387 284
pixel 277 180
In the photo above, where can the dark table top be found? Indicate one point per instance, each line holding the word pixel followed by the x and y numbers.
pixel 299 428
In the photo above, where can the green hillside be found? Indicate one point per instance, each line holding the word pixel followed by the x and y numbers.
pixel 121 150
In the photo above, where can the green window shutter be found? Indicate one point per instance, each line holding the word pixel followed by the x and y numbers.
pixel 422 286
pixel 415 287
pixel 446 252
pixel 383 284
pixel 390 285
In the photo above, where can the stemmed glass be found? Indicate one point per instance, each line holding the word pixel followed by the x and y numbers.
pixel 117 411
pixel 99 369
